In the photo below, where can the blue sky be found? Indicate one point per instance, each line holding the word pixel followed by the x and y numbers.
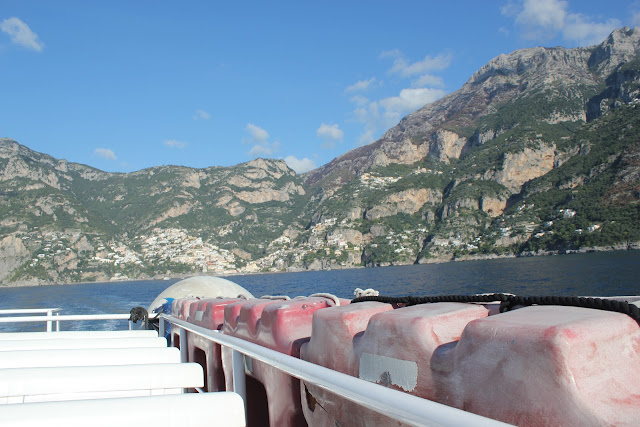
pixel 126 85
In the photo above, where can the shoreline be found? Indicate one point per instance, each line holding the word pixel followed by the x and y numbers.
pixel 436 260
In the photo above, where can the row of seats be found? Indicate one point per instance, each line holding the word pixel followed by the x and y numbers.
pixel 539 365
pixel 103 378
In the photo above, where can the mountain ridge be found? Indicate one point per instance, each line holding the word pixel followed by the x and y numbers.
pixel 460 108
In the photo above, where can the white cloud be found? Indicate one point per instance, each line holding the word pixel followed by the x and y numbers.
pixel 370 116
pixel 428 80
pixel 510 9
pixel 201 115
pixel 410 100
pixel 105 153
pixel 257 133
pixel 300 165
pixel 330 134
pixel 393 53
pixel 378 116
pixel 580 29
pixel 264 149
pixel 406 69
pixel 21 34
pixel 541 16
pixel 359 100
pixel 363 85
pixel 260 140
pixel 367 137
pixel 544 19
pixel 175 144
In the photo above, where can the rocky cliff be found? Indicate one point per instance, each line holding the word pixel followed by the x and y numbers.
pixel 485 147
pixel 565 83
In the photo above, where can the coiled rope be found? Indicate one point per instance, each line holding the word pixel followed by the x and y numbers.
pixel 139 314
pixel 509 301
pixel 365 292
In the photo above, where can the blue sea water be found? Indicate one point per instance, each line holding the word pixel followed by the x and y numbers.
pixel 593 274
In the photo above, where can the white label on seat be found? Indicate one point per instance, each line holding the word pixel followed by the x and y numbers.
pixel 388 370
pixel 199 315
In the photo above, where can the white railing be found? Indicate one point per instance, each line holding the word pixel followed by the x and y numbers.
pixel 400 406
pixel 51 316
pixel 48 312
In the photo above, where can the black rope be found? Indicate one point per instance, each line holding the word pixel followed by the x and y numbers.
pixel 508 302
pixel 139 313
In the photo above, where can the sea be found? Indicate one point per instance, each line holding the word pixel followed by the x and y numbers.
pixel 590 274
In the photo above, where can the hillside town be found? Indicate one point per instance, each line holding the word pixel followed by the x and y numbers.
pixel 329 239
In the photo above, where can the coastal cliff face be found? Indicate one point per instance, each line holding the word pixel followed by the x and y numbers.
pixel 537 152
pixel 565 81
pixel 519 118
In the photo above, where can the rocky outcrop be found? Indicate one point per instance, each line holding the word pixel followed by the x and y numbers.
pixel 493 206
pixel 17 167
pixel 447 145
pixel 518 168
pixel 83 245
pixel 621 46
pixel 348 235
pixel 261 168
pixel 13 254
pixel 408 201
pixel 16 153
pixel 174 211
pixel 451 208
pixel 266 193
pixel 626 188
pixel 192 179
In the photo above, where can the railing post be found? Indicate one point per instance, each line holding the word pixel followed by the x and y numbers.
pixel 184 346
pixel 49 323
pixel 239 378
pixel 57 322
pixel 184 350
pixel 161 327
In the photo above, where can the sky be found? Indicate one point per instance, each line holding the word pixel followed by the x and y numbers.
pixel 126 85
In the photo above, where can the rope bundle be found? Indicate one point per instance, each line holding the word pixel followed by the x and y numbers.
pixel 509 301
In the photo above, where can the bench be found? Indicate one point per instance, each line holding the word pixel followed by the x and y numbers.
pixel 88 357
pixel 22 385
pixel 185 410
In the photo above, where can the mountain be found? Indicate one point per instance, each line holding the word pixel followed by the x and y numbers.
pixel 538 152
pixel 555 86
pixel 65 221
pixel 486 147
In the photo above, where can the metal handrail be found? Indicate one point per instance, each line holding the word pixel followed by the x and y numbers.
pixel 400 406
pixel 61 318
pixel 30 311
pixel 47 311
